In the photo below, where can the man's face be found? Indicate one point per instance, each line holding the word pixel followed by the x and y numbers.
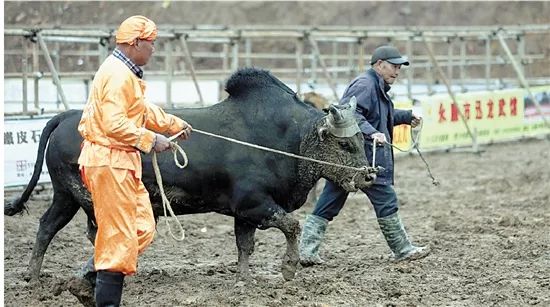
pixel 388 71
pixel 144 51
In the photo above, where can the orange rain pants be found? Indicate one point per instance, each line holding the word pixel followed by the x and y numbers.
pixel 116 124
pixel 123 213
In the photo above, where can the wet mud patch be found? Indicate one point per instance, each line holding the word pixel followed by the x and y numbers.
pixel 487 224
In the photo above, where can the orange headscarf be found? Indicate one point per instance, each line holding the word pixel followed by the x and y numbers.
pixel 136 27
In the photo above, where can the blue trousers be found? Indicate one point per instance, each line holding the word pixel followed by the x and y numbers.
pixel 333 197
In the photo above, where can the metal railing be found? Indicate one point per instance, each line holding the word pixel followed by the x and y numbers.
pixel 326 55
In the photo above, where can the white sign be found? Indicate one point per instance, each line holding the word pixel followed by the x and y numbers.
pixel 21 138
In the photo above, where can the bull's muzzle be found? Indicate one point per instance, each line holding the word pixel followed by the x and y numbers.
pixel 361 179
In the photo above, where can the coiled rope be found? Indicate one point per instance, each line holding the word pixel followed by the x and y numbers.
pixel 415 145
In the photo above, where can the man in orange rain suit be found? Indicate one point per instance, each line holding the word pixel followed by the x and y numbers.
pixel 117 124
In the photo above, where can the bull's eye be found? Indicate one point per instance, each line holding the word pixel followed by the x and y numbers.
pixel 347 146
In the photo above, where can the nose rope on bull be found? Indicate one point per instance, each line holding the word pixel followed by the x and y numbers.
pixel 359 169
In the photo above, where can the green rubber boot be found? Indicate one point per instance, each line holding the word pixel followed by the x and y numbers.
pixel 312 236
pixel 398 241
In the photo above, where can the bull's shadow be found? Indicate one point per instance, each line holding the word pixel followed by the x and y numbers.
pixel 258 188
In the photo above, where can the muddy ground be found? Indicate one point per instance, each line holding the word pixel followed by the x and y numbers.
pixel 488 224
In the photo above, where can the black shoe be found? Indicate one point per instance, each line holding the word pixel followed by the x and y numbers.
pixel 108 290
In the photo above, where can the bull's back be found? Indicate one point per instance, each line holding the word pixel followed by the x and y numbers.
pixel 65 142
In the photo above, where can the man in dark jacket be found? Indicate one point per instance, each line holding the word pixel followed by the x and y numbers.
pixel 376 117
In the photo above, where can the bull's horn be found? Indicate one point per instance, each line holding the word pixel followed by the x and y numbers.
pixel 335 113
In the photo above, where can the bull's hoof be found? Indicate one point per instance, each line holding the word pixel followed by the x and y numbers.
pixel 31 278
pixel 83 290
pixel 12 208
pixel 289 271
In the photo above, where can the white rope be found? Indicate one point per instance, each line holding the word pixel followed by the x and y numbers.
pixel 415 141
pixel 279 151
pixel 165 202
pixel 415 146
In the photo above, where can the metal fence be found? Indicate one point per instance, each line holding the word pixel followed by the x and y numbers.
pixel 489 56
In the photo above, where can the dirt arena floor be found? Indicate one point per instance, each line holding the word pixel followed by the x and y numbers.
pixel 488 224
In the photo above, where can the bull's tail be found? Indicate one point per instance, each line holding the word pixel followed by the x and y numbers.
pixel 18 204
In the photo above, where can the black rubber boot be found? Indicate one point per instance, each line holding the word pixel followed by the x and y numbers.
pixel 108 290
pixel 398 241
pixel 312 236
pixel 83 284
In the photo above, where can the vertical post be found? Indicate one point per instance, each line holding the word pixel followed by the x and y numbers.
pixel 103 48
pixel 225 60
pixel 37 74
pixel 225 67
pixel 462 63
pixel 299 64
pixel 521 52
pixel 88 64
pixel 361 55
pixel 25 71
pixel 248 52
pixel 450 58
pixel 235 54
pixel 335 60
pixel 488 62
pixel 189 57
pixel 178 53
pixel 350 65
pixel 429 72
pixel 313 65
pixel 55 76
pixel 409 70
pixel 55 58
pixel 169 67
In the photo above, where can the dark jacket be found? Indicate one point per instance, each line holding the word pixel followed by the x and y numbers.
pixel 375 113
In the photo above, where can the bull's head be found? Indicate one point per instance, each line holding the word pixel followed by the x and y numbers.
pixel 340 141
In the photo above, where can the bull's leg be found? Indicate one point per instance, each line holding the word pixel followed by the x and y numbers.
pixel 244 235
pixel 91 231
pixel 62 210
pixel 259 209
pixel 291 229
pixel 84 199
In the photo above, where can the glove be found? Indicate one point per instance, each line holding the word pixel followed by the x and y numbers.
pixel 161 143
pixel 186 132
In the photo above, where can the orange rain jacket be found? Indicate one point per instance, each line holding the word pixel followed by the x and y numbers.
pixel 116 123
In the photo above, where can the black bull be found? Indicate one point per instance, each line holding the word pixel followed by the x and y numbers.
pixel 258 188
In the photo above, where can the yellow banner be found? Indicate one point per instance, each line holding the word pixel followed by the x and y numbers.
pixel 402 133
pixel 490 116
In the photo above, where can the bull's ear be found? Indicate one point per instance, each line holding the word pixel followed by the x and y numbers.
pixel 353 103
pixel 322 132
